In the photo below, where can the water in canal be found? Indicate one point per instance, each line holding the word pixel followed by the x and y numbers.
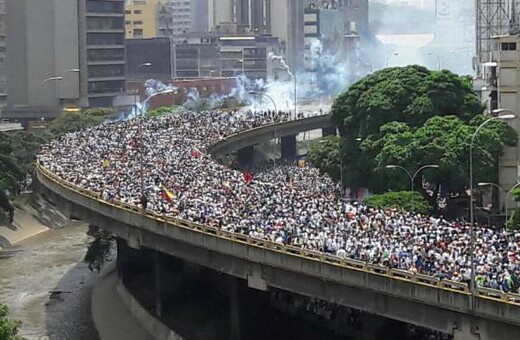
pixel 47 286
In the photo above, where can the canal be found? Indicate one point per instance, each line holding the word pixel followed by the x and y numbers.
pixel 47 286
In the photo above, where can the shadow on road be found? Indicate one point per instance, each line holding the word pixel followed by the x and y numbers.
pixel 69 308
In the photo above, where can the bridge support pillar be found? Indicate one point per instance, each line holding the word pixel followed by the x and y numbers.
pixel 465 331
pixel 129 260
pixel 288 147
pixel 246 155
pixel 377 327
pixel 329 131
pixel 234 307
pixel 158 290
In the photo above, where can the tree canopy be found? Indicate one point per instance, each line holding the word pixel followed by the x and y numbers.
pixel 326 156
pixel 411 116
pixel 8 328
pixel 400 200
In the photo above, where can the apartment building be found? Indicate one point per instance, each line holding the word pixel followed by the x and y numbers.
pixel 2 55
pixel 63 53
pixel 142 19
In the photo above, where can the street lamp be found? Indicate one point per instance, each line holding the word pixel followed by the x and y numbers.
pixel 141 139
pixel 55 78
pixel 507 199
pixel 390 56
pixel 144 65
pixel 412 177
pixel 265 95
pixel 471 213
pixel 500 189
pixel 439 58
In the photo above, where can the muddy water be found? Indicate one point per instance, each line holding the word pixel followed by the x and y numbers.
pixel 47 287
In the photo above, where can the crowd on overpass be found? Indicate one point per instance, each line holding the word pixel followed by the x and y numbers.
pixel 162 163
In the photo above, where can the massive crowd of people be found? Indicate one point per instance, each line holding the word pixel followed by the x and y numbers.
pixel 289 204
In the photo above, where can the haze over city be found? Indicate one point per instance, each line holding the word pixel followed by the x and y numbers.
pixel 259 169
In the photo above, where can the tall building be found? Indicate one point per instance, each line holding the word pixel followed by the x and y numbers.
pixel 188 16
pixel 149 59
pixel 63 53
pixel 503 86
pixel 2 54
pixel 142 19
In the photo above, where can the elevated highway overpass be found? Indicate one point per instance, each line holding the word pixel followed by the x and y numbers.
pixel 421 300
pixel 286 131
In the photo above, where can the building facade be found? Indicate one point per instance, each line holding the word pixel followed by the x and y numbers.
pixel 142 19
pixel 63 53
pixel 149 59
pixel 3 85
pixel 102 52
pixel 503 87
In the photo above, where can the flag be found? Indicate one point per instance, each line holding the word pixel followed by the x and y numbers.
pixel 226 186
pixel 106 163
pixel 167 195
pixel 195 152
pixel 301 163
pixel 248 177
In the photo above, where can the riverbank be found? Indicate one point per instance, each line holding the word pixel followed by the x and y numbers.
pixel 47 286
pixel 33 215
pixel 121 325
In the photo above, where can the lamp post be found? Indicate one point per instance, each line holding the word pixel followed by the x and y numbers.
pixel 506 203
pixel 507 199
pixel 267 96
pixel 439 59
pixel 500 189
pixel 55 78
pixel 141 139
pixel 412 177
pixel 471 213
pixel 390 56
pixel 147 64
pixel 295 96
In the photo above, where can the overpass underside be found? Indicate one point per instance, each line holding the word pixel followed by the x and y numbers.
pixel 398 300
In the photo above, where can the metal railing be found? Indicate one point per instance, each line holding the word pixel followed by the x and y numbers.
pixel 391 273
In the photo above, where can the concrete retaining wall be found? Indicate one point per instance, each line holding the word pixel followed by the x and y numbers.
pixel 154 326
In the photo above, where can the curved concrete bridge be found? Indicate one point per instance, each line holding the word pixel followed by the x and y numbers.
pixel 425 301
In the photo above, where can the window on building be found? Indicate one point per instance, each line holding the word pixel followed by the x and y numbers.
pixel 105 6
pixel 105 39
pixel 138 22
pixel 138 11
pixel 509 46
pixel 138 33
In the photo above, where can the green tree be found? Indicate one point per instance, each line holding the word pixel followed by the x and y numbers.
pixel 514 221
pixel 442 140
pixel 325 156
pixel 75 121
pixel 411 116
pixel 100 250
pixel 8 328
pixel 400 200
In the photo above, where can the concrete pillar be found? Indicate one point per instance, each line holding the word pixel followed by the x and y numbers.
pixel 289 147
pixel 330 131
pixel 129 260
pixel 158 290
pixel 375 327
pixel 246 155
pixel 234 308
pixel 465 331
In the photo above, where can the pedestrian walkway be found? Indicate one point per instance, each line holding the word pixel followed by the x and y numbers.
pixel 111 317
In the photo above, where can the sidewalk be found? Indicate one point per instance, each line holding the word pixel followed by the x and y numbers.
pixel 111 317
